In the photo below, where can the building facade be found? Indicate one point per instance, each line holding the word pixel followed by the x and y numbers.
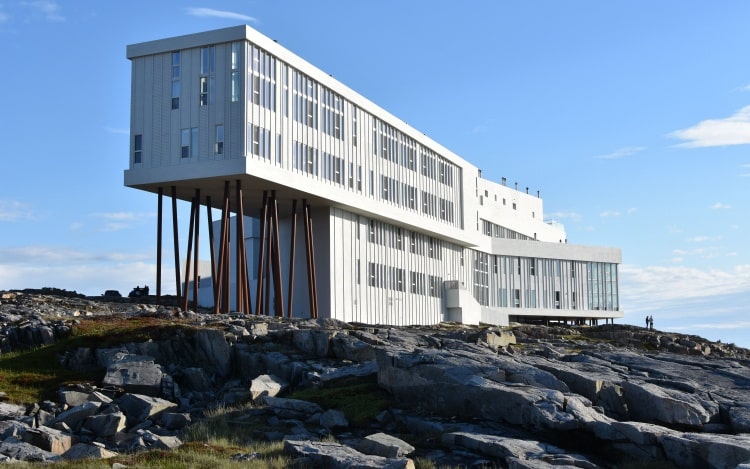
pixel 393 227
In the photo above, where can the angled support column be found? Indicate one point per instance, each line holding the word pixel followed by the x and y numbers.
pixel 293 236
pixel 211 247
pixel 261 254
pixel 278 286
pixel 176 237
pixel 160 207
pixel 309 244
pixel 189 254
pixel 219 289
pixel 196 256
pixel 243 281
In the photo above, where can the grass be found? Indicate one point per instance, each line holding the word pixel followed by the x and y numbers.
pixel 360 402
pixel 32 376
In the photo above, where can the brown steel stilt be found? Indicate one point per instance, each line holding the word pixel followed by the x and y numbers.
pixel 220 271
pixel 176 237
pixel 308 252
pixel 211 247
pixel 196 256
pixel 293 236
pixel 189 254
pixel 278 287
pixel 314 285
pixel 261 253
pixel 227 268
pixel 244 286
pixel 267 272
pixel 159 220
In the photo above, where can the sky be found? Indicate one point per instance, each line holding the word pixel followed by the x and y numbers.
pixel 632 119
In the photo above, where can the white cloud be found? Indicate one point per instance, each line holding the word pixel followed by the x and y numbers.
pixel 114 130
pixel 4 17
pixel 719 205
pixel 118 221
pixel 610 213
pixel 733 130
pixel 220 14
pixel 699 239
pixel 13 210
pixel 48 10
pixel 657 286
pixel 573 216
pixel 72 269
pixel 620 153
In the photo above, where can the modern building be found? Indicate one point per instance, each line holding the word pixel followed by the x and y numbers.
pixel 347 212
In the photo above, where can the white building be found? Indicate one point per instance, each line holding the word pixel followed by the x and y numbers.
pixel 393 227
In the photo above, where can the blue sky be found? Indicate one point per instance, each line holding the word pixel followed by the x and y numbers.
pixel 632 118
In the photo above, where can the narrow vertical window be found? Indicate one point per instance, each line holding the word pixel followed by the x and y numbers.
pixel 204 91
pixel 207 75
pixel 236 51
pixel 185 143
pixel 219 150
pixel 176 80
pixel 137 148
pixel 235 86
pixel 194 142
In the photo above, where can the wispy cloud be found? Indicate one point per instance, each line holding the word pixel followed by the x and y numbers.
pixel 220 14
pixel 572 216
pixel 732 130
pixel 655 286
pixel 4 17
pixel 13 210
pixel 114 130
pixel 46 9
pixel 610 214
pixel 620 153
pixel 117 221
pixel 720 206
pixel 87 272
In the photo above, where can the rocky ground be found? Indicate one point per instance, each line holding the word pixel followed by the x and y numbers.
pixel 526 396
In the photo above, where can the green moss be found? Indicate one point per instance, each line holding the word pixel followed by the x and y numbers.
pixel 360 402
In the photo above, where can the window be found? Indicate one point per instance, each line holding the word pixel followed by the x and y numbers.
pixel 219 150
pixel 236 51
pixel 176 80
pixel 207 60
pixel 185 143
pixel 204 91
pixel 189 142
pixel 235 86
pixel 207 79
pixel 137 148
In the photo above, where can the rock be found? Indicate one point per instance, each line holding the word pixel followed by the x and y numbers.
pixel 739 419
pixel 106 425
pixel 135 373
pixel 75 415
pixel 387 446
pixel 22 451
pixel 291 408
pixel 699 450
pixel 175 420
pixel 517 452
pixel 338 456
pixel 333 418
pixel 86 451
pixel 266 385
pixel 651 403
pixel 138 407
pixel 49 439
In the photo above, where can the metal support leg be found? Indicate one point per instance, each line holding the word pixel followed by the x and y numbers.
pixel 176 237
pixel 159 221
pixel 261 254
pixel 293 236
